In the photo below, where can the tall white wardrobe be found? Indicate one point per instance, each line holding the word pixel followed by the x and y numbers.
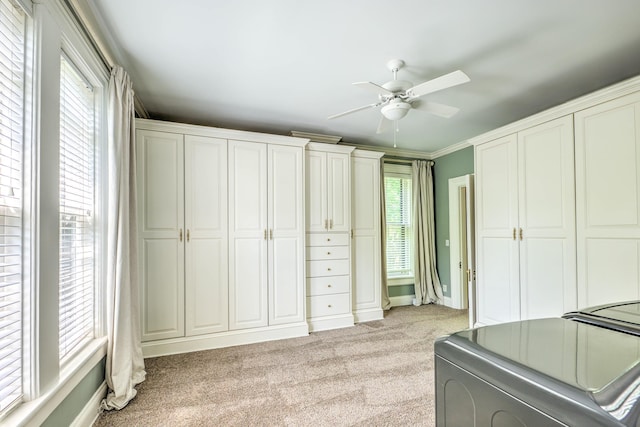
pixel 558 208
pixel 221 235
pixel 246 237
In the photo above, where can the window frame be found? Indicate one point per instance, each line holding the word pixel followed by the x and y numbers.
pixel 403 171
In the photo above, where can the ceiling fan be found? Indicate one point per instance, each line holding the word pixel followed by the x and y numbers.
pixel 397 97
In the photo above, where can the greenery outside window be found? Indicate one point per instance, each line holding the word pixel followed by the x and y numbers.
pixel 398 203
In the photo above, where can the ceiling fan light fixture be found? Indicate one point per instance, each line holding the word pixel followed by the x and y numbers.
pixel 396 110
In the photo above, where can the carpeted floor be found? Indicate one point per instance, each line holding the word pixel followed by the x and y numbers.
pixel 374 374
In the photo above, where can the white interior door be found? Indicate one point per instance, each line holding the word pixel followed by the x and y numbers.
pixel 247 235
pixel 206 269
pixel 161 221
pixel 286 234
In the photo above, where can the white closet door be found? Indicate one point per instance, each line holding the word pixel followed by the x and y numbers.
pixel 547 219
pixel 316 194
pixel 498 289
pixel 206 269
pixel 338 191
pixel 607 200
pixel 286 234
pixel 247 235
pixel 161 233
pixel 365 211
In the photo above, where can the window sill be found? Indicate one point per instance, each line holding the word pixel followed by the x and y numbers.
pixel 400 281
pixel 36 411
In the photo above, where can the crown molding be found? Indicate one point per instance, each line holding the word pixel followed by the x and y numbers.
pixel 392 152
pixel 450 149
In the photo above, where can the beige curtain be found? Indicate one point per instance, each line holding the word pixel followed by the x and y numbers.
pixel 427 283
pixel 386 303
pixel 125 363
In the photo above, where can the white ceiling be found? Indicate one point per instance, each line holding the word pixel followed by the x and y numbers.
pixel 281 65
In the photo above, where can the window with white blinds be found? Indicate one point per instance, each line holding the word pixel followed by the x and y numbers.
pixel 77 248
pixel 397 187
pixel 12 24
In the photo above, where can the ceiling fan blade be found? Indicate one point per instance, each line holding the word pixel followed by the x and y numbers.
pixel 443 82
pixel 354 110
pixel 383 124
pixel 440 110
pixel 377 89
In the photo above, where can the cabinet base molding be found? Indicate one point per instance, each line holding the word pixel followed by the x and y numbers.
pixel 330 322
pixel 367 315
pixel 224 339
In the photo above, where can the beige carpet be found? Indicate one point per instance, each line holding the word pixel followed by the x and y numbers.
pixel 374 374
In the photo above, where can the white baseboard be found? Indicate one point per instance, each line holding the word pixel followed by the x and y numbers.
pixel 91 410
pixel 224 339
pixel 448 302
pixel 402 300
pixel 368 315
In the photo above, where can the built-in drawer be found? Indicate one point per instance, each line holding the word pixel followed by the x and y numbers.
pixel 331 267
pixel 327 285
pixel 316 253
pixel 328 305
pixel 326 239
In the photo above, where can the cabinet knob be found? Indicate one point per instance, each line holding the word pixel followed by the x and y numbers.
pixel 329 269
pixel 328 286
pixel 329 306
pixel 328 240
pixel 328 253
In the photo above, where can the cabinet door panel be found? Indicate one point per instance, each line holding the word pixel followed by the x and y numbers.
pixel 286 240
pixel 338 192
pixel 546 211
pixel 247 235
pixel 366 283
pixel 206 286
pixel 160 184
pixel 498 287
pixel 316 191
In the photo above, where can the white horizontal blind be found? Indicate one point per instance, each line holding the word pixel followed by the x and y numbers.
pixel 12 24
pixel 399 233
pixel 77 249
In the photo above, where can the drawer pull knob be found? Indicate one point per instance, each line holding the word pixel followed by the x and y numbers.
pixel 328 269
pixel 328 240
pixel 328 286
pixel 328 253
pixel 329 306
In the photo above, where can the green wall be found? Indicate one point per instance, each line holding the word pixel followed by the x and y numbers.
pixel 75 402
pixel 452 165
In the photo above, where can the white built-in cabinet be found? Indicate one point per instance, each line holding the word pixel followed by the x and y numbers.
pixel 328 240
pixel 365 243
pixel 221 236
pixel 608 201
pixel 558 208
pixel 526 224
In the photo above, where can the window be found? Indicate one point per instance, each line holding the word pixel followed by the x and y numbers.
pixel 77 248
pixel 398 196
pixel 12 37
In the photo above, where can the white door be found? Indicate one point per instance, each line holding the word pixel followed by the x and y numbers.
pixel 206 261
pixel 498 294
pixel 316 191
pixel 608 200
pixel 546 230
pixel 161 233
pixel 339 200
pixel 286 234
pixel 247 235
pixel 365 211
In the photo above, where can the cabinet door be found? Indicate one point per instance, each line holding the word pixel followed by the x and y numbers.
pixel 607 201
pixel 206 261
pixel 286 234
pixel 546 211
pixel 316 191
pixel 338 194
pixel 498 291
pixel 365 211
pixel 247 235
pixel 161 233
